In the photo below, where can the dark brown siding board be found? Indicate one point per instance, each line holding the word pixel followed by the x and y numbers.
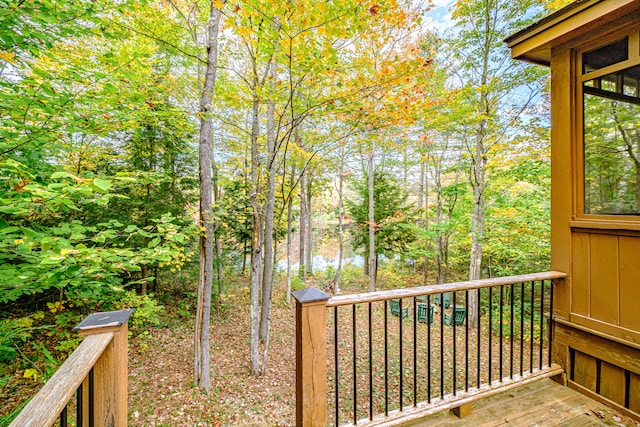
pixel 612 382
pixel 630 283
pixel 584 370
pixel 604 278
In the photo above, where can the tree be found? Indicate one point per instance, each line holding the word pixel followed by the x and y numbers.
pixel 393 219
pixel 202 370
pixel 489 81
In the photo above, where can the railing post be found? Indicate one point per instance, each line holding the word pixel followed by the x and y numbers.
pixel 110 373
pixel 311 357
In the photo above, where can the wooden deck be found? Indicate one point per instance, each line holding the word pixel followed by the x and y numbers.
pixel 542 403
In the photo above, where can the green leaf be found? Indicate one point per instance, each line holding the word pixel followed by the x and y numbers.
pixel 103 185
pixel 153 242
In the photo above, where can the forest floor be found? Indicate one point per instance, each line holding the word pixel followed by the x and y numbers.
pixel 161 391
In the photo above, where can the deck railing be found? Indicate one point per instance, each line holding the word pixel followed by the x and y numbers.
pixel 95 373
pixel 399 355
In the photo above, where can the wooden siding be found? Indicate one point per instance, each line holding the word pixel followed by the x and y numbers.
pixel 605 287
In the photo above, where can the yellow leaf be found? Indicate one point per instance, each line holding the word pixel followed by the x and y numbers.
pixel 217 4
pixel 7 56
pixel 31 373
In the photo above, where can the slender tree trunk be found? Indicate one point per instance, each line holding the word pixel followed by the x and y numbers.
pixel 267 276
pixel 145 274
pixel 309 228
pixel 289 235
pixel 218 244
pixel 202 375
pixel 372 225
pixel 336 278
pixel 440 235
pixel 303 225
pixel 478 171
pixel 256 247
pixel 421 190
pixel 425 277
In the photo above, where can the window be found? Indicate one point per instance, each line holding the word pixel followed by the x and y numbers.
pixel 611 129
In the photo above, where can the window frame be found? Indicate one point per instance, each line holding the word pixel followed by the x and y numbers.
pixel 580 219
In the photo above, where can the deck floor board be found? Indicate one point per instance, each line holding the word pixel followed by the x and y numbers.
pixel 543 403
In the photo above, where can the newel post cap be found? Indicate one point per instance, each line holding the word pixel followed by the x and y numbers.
pixel 309 294
pixel 104 319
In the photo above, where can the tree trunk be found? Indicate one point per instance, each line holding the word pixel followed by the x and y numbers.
pixel 267 275
pixel 256 247
pixel 202 375
pixel 218 245
pixel 478 172
pixel 144 273
pixel 336 278
pixel 308 252
pixel 303 225
pixel 425 277
pixel 372 226
pixel 289 235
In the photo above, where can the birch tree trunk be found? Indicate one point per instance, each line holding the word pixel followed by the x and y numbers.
pixel 202 374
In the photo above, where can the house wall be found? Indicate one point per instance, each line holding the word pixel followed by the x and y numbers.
pixel 597 309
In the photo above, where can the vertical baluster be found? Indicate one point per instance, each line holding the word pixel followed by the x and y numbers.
pixel 541 323
pixel 370 365
pixel 441 345
pixel 521 327
pixel 478 338
pixel 63 417
pixel 490 332
pixel 386 359
pixel 429 349
pixel 91 399
pixel 335 361
pixel 531 323
pixel 400 355
pixel 501 334
pixel 79 402
pixel 551 323
pixel 511 332
pixel 415 352
pixel 455 353
pixel 355 370
pixel 466 341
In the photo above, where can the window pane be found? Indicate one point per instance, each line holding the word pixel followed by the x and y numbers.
pixel 612 144
pixel 606 55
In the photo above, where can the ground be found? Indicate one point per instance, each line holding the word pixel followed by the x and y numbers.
pixel 161 391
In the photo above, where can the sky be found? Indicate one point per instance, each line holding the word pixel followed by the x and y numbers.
pixel 441 14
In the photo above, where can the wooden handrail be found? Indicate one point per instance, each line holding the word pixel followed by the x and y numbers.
pixel 102 352
pixel 44 409
pixel 441 288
